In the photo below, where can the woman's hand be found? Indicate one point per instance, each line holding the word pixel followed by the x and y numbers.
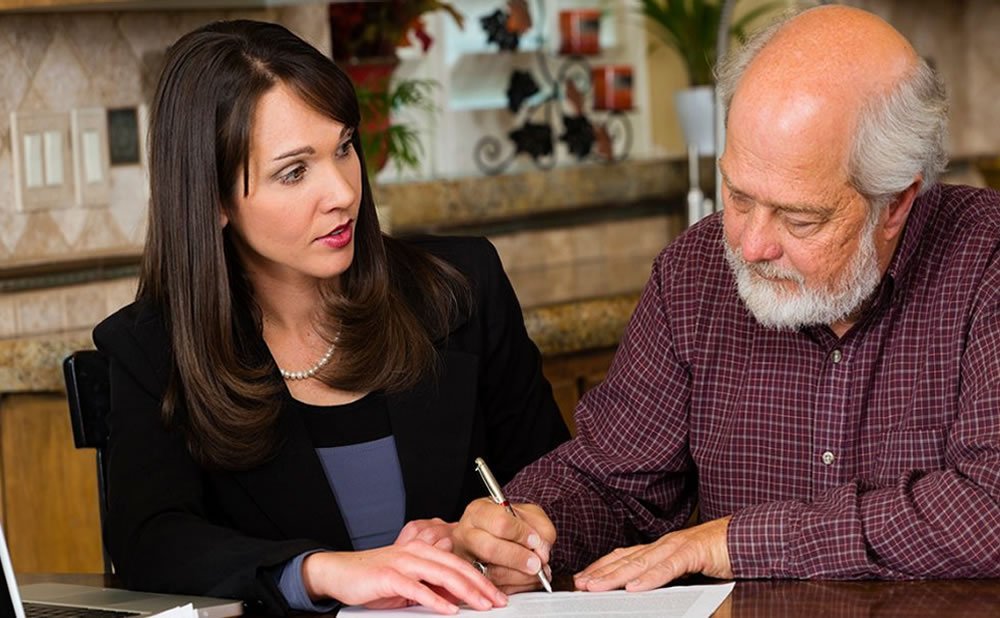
pixel 436 532
pixel 409 573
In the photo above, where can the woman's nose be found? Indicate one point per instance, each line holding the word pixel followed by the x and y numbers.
pixel 339 190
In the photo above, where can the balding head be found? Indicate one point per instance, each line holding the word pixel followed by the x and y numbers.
pixel 834 52
pixel 846 79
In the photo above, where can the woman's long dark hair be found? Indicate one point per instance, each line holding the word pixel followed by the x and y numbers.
pixel 393 301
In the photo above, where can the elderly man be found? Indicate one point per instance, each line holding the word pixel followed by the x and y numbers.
pixel 818 368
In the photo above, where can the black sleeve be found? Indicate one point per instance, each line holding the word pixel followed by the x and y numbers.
pixel 523 420
pixel 159 532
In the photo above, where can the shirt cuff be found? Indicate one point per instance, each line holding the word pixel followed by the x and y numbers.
pixel 289 581
pixel 758 537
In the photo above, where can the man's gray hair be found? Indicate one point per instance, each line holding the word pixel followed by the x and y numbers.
pixel 900 133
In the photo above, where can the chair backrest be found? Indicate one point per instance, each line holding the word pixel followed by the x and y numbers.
pixel 88 390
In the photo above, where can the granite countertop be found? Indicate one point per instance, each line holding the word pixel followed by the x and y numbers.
pixel 442 204
pixel 34 364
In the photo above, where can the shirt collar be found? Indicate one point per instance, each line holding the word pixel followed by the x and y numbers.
pixel 920 213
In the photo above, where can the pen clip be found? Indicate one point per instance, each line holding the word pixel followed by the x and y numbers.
pixel 490 481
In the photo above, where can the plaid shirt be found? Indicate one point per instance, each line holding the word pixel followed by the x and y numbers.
pixel 874 455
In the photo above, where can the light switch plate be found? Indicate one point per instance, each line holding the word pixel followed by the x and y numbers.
pixel 43 162
pixel 92 166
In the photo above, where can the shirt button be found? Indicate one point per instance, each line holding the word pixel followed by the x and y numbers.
pixel 837 356
pixel 828 458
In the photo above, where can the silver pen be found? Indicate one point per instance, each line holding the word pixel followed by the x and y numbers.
pixel 497 495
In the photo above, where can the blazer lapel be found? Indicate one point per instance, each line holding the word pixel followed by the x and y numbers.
pixel 293 491
pixel 432 425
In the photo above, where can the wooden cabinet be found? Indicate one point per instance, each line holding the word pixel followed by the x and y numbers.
pixel 49 496
pixel 572 375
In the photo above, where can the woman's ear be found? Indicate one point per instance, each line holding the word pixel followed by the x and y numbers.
pixel 223 217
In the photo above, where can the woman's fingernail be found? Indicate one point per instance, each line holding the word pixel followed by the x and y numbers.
pixel 534 564
pixel 501 598
pixel 534 541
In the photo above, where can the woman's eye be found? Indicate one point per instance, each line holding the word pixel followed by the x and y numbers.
pixel 344 149
pixel 293 175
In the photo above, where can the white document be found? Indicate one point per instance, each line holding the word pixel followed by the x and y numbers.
pixel 673 602
pixel 181 611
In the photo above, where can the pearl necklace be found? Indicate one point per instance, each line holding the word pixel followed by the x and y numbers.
pixel 308 373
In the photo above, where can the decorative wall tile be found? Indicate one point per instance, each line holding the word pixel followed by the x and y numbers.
pixel 83 306
pixel 119 293
pixel 8 317
pixel 15 84
pixel 129 200
pixel 101 232
pixel 531 286
pixel 620 237
pixel 12 226
pixel 591 279
pixel 31 36
pixel 588 243
pixel 148 32
pixel 61 80
pixel 39 312
pixel 71 223
pixel 528 251
pixel 122 84
pixel 41 238
pixel 557 247
pixel 32 101
pixel 627 275
pixel 6 175
pixel 305 24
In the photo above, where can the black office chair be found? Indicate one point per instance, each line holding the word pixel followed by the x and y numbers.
pixel 88 389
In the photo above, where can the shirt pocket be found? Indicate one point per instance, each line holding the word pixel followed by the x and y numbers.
pixel 911 450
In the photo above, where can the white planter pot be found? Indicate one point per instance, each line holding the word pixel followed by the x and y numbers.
pixel 696 111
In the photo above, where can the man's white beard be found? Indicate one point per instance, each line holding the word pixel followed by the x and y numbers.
pixel 775 306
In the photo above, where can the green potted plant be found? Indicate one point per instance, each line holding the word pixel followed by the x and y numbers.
pixel 365 36
pixel 691 28
pixel 385 141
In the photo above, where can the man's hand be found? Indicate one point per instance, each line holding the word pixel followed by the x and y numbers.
pixel 699 549
pixel 513 548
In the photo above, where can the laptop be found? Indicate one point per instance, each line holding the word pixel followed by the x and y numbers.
pixel 70 600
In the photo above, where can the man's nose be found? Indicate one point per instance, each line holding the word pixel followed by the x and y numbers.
pixel 759 237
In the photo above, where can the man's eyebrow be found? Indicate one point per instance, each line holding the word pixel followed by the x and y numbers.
pixel 795 208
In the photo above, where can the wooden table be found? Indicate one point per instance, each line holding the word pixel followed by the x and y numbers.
pixel 972 598
pixel 814 599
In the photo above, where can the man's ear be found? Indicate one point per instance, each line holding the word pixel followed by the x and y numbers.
pixel 899 210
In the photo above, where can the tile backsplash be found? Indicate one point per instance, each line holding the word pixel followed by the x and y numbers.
pixel 544 266
pixel 60 62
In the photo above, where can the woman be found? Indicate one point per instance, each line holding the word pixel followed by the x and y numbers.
pixel 291 386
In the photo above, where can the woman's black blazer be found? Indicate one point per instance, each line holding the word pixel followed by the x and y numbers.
pixel 174 526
